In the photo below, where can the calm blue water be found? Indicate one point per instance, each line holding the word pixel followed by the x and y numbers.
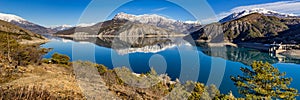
pixel 182 61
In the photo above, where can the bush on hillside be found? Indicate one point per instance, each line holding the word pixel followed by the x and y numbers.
pixel 58 59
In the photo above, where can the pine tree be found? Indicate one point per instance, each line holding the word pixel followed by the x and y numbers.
pixel 263 81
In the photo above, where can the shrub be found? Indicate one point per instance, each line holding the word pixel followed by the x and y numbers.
pixel 60 59
pixel 202 92
pixel 26 37
pixel 101 69
pixel 197 92
pixel 178 93
pixel 229 96
pixel 47 61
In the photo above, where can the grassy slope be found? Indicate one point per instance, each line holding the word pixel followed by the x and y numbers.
pixel 56 80
pixel 22 33
pixel 253 26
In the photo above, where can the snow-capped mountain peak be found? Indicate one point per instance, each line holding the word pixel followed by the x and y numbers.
pixel 160 21
pixel 85 24
pixel 60 27
pixel 19 21
pixel 150 18
pixel 193 22
pixel 263 11
pixel 55 26
pixel 145 18
pixel 10 18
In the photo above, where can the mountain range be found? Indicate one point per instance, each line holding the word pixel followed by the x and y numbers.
pixel 237 15
pixel 254 25
pixel 60 27
pixel 143 24
pixel 159 21
pixel 257 25
pixel 137 29
pixel 25 24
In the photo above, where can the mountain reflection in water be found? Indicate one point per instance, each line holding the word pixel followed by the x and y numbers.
pixel 127 45
pixel 245 55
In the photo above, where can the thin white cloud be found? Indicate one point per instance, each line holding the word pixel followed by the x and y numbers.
pixel 64 25
pixel 159 9
pixel 288 7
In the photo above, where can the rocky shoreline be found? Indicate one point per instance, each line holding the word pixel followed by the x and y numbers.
pixel 292 53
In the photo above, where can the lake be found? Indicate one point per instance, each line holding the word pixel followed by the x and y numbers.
pixel 179 58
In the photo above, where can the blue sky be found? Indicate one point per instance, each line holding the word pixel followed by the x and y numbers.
pixel 224 5
pixel 58 12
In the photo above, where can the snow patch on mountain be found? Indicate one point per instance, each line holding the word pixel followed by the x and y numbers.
pixel 10 18
pixel 19 21
pixel 146 18
pixel 85 24
pixel 150 18
pixel 193 22
pixel 60 27
pixel 263 11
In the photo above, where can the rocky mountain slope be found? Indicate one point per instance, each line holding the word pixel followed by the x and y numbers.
pixel 254 27
pixel 136 29
pixel 108 26
pixel 25 24
pixel 160 21
pixel 21 33
pixel 152 22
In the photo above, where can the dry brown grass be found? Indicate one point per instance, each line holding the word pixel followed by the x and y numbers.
pixel 132 87
pixel 26 93
pixel 39 82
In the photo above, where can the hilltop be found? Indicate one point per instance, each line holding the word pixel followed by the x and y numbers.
pixel 254 27
pixel 20 34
